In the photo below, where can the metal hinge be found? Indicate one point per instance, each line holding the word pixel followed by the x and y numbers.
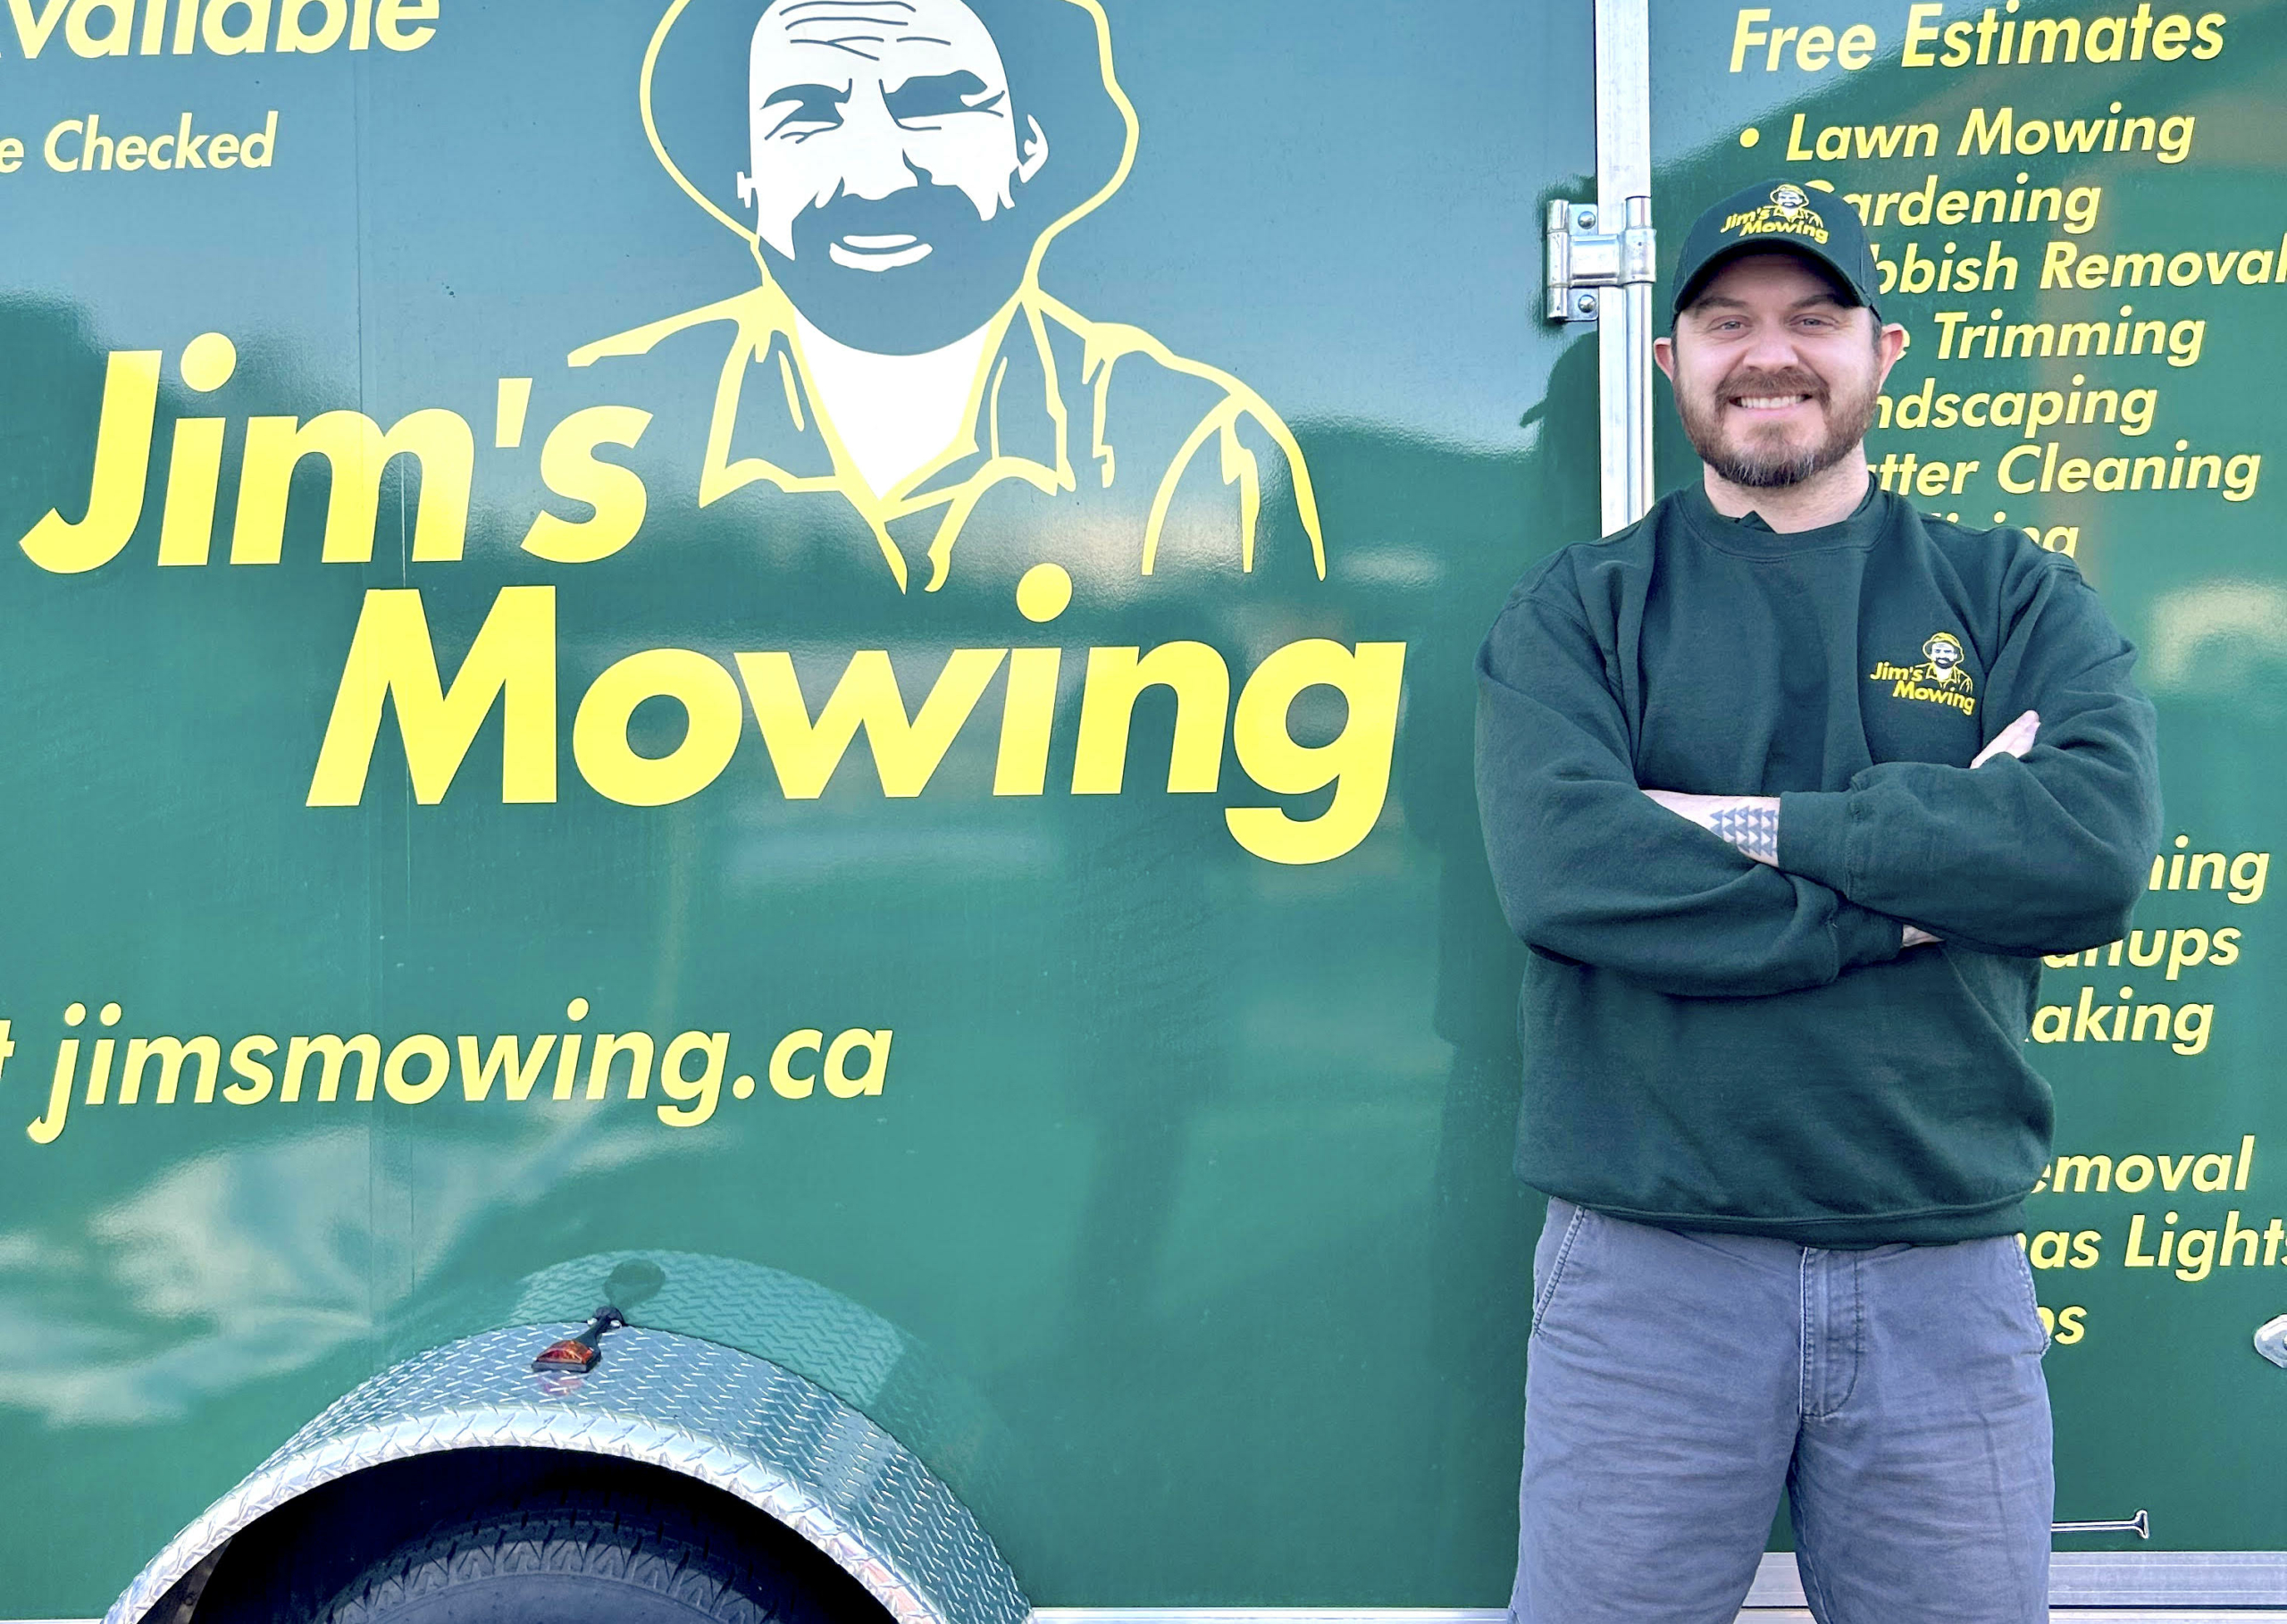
pixel 1581 259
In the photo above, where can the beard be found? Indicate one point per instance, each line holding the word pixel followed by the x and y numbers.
pixel 1766 462
pixel 973 268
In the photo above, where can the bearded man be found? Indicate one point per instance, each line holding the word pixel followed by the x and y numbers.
pixel 900 168
pixel 1786 917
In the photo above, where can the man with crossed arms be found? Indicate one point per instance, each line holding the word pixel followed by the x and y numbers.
pixel 1787 911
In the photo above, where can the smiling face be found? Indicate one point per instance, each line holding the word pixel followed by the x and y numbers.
pixel 1775 376
pixel 888 164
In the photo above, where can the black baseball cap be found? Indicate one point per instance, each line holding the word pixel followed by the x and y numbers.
pixel 1779 216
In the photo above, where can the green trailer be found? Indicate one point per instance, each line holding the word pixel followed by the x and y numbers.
pixel 735 743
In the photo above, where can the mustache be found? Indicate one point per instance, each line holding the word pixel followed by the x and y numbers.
pixel 1761 380
pixel 931 211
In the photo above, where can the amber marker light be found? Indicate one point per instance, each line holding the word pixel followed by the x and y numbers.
pixel 582 1352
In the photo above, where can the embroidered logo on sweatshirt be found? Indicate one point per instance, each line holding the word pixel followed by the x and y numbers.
pixel 1942 678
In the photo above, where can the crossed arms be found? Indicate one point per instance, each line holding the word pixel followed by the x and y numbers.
pixel 1751 822
pixel 2039 847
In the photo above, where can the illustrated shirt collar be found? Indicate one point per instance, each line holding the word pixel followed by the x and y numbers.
pixel 769 428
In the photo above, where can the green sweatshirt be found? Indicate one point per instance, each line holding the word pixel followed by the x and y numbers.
pixel 1713 1042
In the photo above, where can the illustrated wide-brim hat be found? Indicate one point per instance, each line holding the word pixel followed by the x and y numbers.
pixel 1056 53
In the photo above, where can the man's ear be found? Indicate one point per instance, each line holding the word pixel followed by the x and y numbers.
pixel 1663 351
pixel 746 189
pixel 1889 344
pixel 1032 152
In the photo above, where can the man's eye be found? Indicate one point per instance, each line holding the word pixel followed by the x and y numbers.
pixel 807 109
pixel 940 96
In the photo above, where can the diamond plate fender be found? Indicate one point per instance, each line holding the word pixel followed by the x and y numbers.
pixel 726 1418
pixel 799 1325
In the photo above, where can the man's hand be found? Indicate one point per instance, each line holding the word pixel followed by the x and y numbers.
pixel 2014 739
pixel 1749 822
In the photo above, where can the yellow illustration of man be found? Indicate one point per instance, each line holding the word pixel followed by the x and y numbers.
pixel 1944 653
pixel 901 188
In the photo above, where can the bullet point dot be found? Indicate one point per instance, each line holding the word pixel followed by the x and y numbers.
pixel 742 1088
pixel 1750 136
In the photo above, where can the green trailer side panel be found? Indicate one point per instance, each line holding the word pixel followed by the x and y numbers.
pixel 1184 1201
pixel 1187 1167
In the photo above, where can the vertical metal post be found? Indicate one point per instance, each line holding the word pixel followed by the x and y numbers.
pixel 1624 198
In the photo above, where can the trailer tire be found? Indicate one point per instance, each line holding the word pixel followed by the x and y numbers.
pixel 613 1557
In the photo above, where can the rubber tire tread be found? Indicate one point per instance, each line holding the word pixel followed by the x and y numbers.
pixel 611 1553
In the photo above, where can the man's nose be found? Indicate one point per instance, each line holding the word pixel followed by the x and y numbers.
pixel 1772 348
pixel 873 144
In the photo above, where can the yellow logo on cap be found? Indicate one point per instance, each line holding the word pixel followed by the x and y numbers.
pixel 1788 213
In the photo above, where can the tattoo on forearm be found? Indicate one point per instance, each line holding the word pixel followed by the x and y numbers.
pixel 1754 830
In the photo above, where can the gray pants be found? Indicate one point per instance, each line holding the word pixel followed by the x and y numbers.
pixel 1677 1382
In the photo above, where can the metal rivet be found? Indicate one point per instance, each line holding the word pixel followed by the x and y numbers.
pixel 1587 304
pixel 1587 219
